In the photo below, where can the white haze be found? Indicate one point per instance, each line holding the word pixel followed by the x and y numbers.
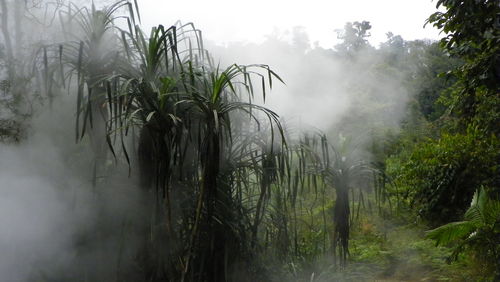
pixel 50 214
pixel 54 224
pixel 226 21
pixel 43 202
pixel 321 88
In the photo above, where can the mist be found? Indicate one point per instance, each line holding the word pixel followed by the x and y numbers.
pixel 354 94
pixel 56 225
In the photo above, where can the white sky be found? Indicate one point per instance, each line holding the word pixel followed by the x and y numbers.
pixel 251 20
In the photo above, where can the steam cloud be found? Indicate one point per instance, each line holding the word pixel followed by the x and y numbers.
pixel 54 224
pixel 322 89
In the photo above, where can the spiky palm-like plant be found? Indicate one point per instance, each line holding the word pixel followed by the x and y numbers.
pixel 212 106
pixel 89 58
pixel 182 106
pixel 185 111
pixel 342 168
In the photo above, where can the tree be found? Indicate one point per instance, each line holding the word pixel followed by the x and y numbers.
pixel 443 174
pixel 183 107
pixel 473 29
pixel 354 37
pixel 343 170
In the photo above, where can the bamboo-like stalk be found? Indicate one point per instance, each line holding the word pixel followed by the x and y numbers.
pixel 7 37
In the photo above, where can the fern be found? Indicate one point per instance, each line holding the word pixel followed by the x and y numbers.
pixel 478 230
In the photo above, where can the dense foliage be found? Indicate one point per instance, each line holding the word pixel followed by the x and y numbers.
pixel 444 172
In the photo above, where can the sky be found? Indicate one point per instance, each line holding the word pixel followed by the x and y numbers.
pixel 225 21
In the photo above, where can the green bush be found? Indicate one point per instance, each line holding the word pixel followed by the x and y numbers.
pixel 441 175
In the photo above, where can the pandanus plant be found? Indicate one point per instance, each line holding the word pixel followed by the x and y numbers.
pixel 342 169
pixel 212 106
pixel 183 108
pixel 166 87
pixel 89 57
pixel 293 188
pixel 188 114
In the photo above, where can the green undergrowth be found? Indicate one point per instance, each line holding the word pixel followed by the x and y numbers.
pixel 387 250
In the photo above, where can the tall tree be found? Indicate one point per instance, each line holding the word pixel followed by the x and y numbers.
pixel 354 36
pixel 473 29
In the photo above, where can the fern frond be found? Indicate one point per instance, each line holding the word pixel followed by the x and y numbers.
pixel 451 232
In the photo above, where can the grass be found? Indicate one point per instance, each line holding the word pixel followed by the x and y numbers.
pixel 385 250
pixel 394 251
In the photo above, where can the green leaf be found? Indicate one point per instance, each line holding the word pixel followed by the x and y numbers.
pixel 451 232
